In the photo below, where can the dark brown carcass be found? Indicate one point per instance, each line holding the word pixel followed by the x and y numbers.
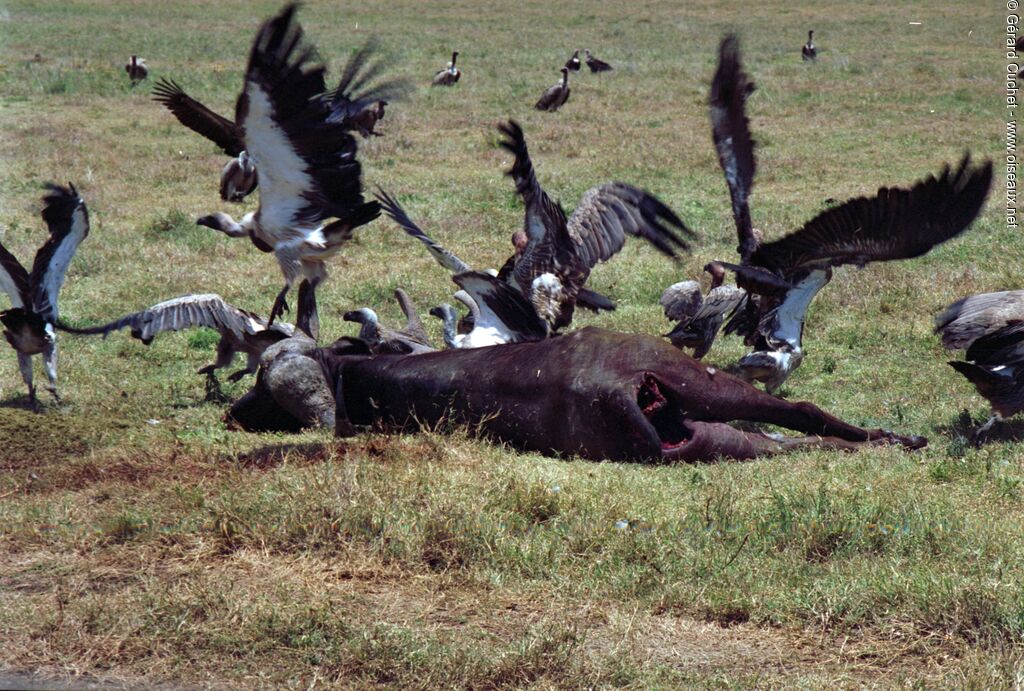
pixel 593 393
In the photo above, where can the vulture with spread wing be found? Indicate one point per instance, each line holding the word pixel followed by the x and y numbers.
pixel 307 164
pixel 241 331
pixel 782 277
pixel 561 251
pixel 29 325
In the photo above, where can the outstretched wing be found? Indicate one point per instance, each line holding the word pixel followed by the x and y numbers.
pixel 67 219
pixel 444 257
pixel 307 164
pixel 608 213
pixel 502 308
pixel 14 279
pixel 355 91
pixel 894 224
pixel 198 118
pixel 730 130
pixel 543 216
pixel 209 310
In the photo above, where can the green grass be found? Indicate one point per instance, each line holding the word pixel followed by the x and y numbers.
pixel 144 542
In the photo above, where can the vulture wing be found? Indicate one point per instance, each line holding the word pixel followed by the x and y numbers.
pixel 730 130
pixel 972 317
pixel 198 118
pixel 354 92
pixel 67 219
pixel 894 224
pixel 445 258
pixel 608 213
pixel 307 165
pixel 14 279
pixel 186 312
pixel 502 308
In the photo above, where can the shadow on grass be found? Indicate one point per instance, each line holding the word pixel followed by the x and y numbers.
pixel 962 429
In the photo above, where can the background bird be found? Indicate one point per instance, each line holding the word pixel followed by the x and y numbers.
pixel 596 65
pixel 136 69
pixel 449 75
pixel 809 50
pixel 556 96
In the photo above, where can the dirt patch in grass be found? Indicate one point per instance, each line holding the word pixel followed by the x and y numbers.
pixel 28 439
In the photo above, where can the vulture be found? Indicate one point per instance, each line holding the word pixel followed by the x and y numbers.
pixel 561 251
pixel 782 277
pixel 698 317
pixel 555 97
pixel 136 69
pixel 596 65
pixel 500 313
pixel 449 75
pixel 29 325
pixel 410 340
pixel 347 103
pixel 990 327
pixel 574 63
pixel 809 50
pixel 306 158
pixel 240 331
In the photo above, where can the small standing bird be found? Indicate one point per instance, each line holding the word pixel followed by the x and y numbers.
pixel 574 62
pixel 596 65
pixel 136 69
pixel 556 96
pixel 449 75
pixel 366 120
pixel 810 51
pixel 29 324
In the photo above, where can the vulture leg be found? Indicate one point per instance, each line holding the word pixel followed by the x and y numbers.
pixel 225 356
pixel 280 306
pixel 50 365
pixel 25 365
pixel 252 363
pixel 308 319
pixel 979 435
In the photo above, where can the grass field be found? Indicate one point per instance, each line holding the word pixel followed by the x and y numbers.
pixel 141 542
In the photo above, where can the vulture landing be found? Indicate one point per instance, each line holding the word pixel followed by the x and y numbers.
pixel 306 158
pixel 781 278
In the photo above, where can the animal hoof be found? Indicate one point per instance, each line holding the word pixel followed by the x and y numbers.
pixel 911 442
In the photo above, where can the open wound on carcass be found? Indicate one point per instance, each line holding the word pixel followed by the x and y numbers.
pixel 665 417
